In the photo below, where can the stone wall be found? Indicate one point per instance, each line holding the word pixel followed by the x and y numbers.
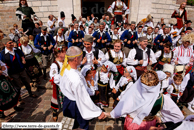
pixel 42 8
pixel 158 9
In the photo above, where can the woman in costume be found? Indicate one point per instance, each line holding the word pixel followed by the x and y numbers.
pixel 32 65
pixel 142 102
pixel 57 98
pixel 9 96
pixel 24 13
pixel 117 57
pixel 179 13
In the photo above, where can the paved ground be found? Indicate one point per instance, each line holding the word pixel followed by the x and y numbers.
pixel 39 110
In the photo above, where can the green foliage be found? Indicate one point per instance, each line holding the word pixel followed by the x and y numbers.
pixel 190 2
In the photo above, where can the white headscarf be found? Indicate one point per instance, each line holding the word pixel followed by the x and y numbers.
pixel 138 101
pixel 132 72
pixel 110 66
pixel 85 69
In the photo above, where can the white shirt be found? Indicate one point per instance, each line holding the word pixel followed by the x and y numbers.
pixel 131 58
pixel 10 52
pixel 73 86
pixel 54 72
pixel 182 55
pixel 165 55
pixel 170 111
pixel 149 24
pixel 90 57
pixel 60 20
pixel 50 23
pixel 27 49
pixel 45 36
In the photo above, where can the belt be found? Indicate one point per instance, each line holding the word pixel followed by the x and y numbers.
pixel 161 63
pixel 141 68
pixel 147 118
pixel 174 95
pixel 118 13
pixel 102 85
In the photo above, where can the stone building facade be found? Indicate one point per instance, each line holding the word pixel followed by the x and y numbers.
pixel 139 9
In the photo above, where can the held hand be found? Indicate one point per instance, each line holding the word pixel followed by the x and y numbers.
pixel 103 41
pixel 186 67
pixel 76 40
pixel 125 40
pixel 107 114
pixel 73 41
pixel 114 91
pixel 176 62
pixel 3 68
pixel 97 92
pixel 84 60
pixel 141 62
pixel 150 63
pixel 102 116
pixel 24 61
pixel 44 48
pixel 161 44
pixel 129 42
pixel 80 40
pixel 92 83
pixel 134 42
pixel 95 61
pixel 98 40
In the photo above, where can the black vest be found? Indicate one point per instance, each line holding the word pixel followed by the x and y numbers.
pixel 13 67
pixel 42 41
pixel 164 40
pixel 139 54
pixel 95 53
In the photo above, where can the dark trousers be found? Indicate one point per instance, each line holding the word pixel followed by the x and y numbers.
pixel 20 78
pixel 70 110
pixel 188 95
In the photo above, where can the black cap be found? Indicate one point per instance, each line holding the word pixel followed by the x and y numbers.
pixel 62 14
pixel 189 28
pixel 73 17
pixel 188 21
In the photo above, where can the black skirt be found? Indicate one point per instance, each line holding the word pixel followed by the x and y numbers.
pixel 9 96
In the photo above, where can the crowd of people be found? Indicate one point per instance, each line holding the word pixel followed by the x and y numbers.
pixel 147 69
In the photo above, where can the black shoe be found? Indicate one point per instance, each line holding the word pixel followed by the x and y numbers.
pixel 2 115
pixel 18 108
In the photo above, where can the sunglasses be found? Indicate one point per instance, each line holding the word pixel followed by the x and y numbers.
pixel 10 42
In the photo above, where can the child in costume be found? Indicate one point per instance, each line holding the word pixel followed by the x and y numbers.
pixel 92 86
pixel 168 69
pixel 124 83
pixel 57 98
pixel 105 77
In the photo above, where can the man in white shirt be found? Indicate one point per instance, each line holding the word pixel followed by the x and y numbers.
pixel 141 57
pixel 61 19
pixel 51 23
pixel 77 103
pixel 92 56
